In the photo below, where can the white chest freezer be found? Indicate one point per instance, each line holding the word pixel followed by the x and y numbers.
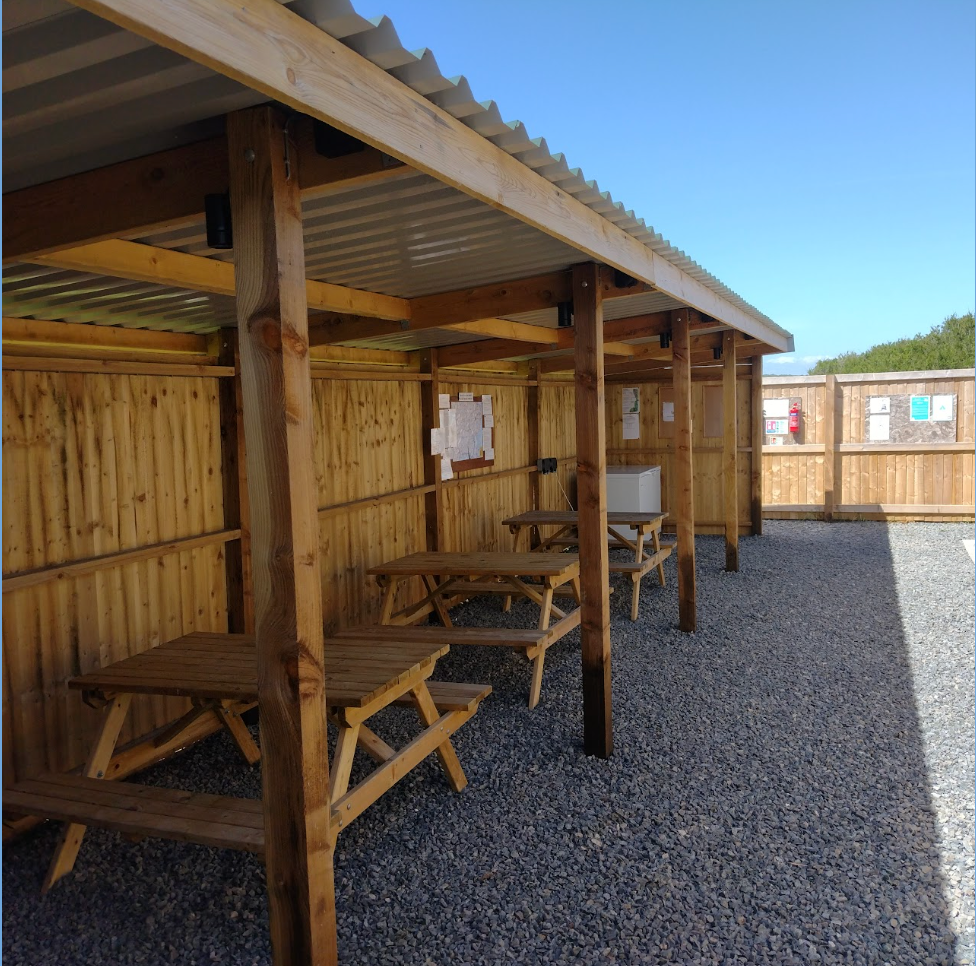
pixel 633 488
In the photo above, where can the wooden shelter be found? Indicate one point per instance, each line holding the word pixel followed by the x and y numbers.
pixel 200 438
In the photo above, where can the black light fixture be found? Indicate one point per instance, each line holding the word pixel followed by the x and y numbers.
pixel 623 280
pixel 717 353
pixel 665 340
pixel 330 142
pixel 564 314
pixel 219 231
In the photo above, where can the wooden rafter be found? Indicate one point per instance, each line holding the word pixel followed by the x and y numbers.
pixel 163 266
pixel 164 190
pixel 271 49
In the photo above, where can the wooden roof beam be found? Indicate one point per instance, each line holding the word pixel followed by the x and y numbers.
pixel 164 266
pixel 271 49
pixel 159 191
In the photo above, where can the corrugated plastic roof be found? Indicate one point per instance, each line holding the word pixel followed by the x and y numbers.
pixel 80 93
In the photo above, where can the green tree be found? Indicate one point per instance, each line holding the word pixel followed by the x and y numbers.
pixel 951 345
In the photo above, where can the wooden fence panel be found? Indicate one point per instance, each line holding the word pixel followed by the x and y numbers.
pixel 95 464
pixel 874 480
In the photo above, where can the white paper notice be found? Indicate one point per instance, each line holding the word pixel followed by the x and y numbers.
pixel 878 405
pixel 667 412
pixel 486 440
pixel 776 409
pixel 450 425
pixel 486 405
pixel 465 397
pixel 446 472
pixel 436 442
pixel 942 408
pixel 489 421
pixel 444 400
pixel 631 425
pixel 879 427
pixel 489 454
pixel 631 404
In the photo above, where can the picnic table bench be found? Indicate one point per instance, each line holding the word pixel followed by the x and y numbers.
pixel 645 524
pixel 218 672
pixel 447 575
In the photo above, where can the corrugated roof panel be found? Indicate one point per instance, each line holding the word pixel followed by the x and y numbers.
pixel 80 93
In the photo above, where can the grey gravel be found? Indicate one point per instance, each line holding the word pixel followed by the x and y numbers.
pixel 794 783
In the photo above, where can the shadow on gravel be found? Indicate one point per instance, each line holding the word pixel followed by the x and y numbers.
pixel 767 803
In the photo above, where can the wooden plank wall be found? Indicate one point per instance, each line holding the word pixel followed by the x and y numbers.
pixel 99 462
pixel 94 464
pixel 874 481
pixel 655 444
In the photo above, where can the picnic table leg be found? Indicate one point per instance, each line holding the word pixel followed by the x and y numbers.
pixel 388 597
pixel 345 752
pixel 636 576
pixel 656 537
pixel 232 724
pixel 431 584
pixel 536 690
pixel 517 532
pixel 445 751
pixel 98 759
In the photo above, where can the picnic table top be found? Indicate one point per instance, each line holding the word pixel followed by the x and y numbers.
pixel 224 666
pixel 486 564
pixel 614 517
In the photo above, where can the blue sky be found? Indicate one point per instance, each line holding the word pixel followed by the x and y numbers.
pixel 819 157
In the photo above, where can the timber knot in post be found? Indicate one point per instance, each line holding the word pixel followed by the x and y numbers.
pixel 268 331
pixel 294 341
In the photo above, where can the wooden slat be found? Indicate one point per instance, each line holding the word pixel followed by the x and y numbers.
pixel 756 430
pixel 831 482
pixel 683 511
pixel 46 333
pixel 115 367
pixel 462 564
pixel 273 322
pixel 212 820
pixel 274 51
pixel 91 565
pixel 591 481
pixel 730 469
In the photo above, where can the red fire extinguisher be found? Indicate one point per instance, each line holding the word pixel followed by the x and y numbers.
pixel 795 418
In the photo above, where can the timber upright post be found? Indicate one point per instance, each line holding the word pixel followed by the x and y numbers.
pixel 757 436
pixel 533 404
pixel 730 439
pixel 591 481
pixel 684 475
pixel 430 408
pixel 272 317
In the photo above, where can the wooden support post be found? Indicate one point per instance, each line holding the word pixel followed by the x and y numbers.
pixel 758 435
pixel 233 474
pixel 277 395
pixel 533 403
pixel 591 457
pixel 830 447
pixel 684 476
pixel 429 418
pixel 730 468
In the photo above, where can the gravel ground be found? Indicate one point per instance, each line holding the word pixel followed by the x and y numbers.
pixel 793 783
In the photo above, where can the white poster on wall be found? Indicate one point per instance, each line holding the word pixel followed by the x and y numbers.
pixel 667 412
pixel 776 409
pixel 878 405
pixel 879 428
pixel 631 425
pixel 942 408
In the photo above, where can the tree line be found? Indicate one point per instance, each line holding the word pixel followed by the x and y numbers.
pixel 951 345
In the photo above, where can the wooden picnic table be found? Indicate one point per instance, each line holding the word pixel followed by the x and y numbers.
pixel 218 673
pixel 448 575
pixel 646 524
